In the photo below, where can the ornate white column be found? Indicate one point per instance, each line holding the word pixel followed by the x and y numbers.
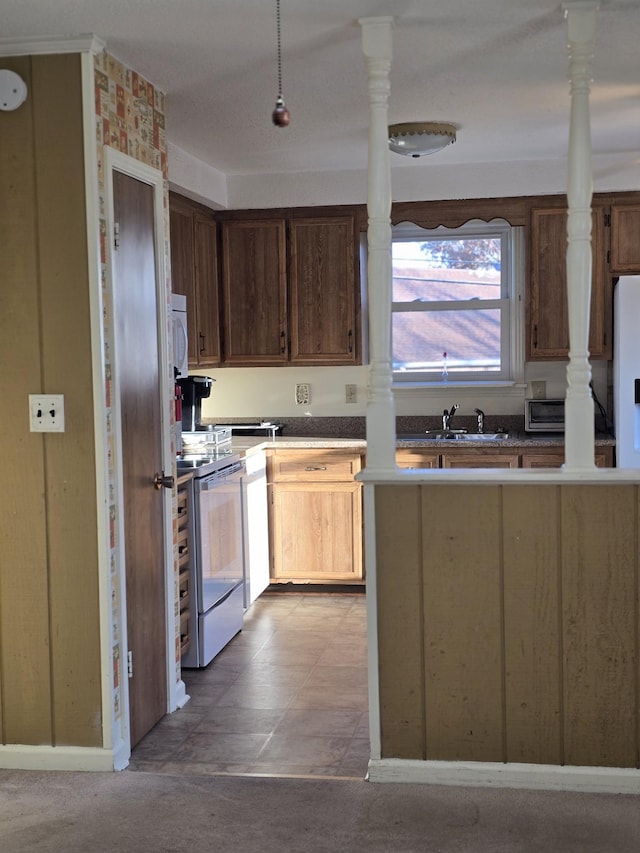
pixel 381 420
pixel 580 429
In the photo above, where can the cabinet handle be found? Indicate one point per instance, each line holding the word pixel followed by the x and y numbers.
pixel 202 339
pixel 350 340
pixel 535 336
pixel 316 468
pixel 283 343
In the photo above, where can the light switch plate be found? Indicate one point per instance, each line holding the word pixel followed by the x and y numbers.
pixel 46 412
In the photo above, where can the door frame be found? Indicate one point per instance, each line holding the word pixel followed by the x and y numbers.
pixel 114 160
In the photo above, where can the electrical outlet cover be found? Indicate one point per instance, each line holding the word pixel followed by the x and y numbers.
pixel 303 394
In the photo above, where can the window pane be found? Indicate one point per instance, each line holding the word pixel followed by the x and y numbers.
pixel 471 340
pixel 436 270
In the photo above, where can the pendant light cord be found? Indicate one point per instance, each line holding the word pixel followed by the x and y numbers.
pixel 279 49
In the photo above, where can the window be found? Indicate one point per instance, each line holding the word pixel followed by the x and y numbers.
pixel 452 303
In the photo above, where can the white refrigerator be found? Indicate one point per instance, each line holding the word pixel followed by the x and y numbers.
pixel 626 371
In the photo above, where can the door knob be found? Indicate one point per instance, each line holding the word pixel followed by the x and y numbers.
pixel 161 480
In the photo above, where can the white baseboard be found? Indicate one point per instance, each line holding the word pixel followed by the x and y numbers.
pixel 610 780
pixel 121 755
pixel 182 697
pixel 25 757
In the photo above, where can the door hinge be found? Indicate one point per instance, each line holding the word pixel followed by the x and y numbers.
pixel 130 664
pixel 116 236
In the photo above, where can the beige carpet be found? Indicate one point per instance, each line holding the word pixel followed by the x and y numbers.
pixel 127 812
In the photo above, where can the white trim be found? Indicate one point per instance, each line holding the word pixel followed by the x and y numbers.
pixel 546 777
pixel 116 161
pixel 494 476
pixel 25 757
pixel 181 695
pixel 89 43
pixel 92 196
pixel 373 679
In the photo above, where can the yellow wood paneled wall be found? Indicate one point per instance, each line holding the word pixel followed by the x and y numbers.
pixel 49 623
pixel 508 623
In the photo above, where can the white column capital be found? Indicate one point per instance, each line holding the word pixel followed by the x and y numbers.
pixel 377 42
pixel 581 20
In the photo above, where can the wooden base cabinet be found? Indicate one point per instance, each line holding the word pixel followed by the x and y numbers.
pixel 315 517
pixel 554 457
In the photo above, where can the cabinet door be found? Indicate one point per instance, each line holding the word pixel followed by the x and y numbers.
pixel 548 327
pixel 323 292
pixel 194 273
pixel 207 302
pixel 183 277
pixel 476 457
pixel 406 457
pixel 625 239
pixel 317 532
pixel 547 458
pixel 254 292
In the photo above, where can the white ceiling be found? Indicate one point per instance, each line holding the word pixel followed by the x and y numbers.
pixel 497 69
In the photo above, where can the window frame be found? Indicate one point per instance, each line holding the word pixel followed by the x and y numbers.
pixel 510 304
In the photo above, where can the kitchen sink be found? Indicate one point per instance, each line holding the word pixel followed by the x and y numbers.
pixel 453 435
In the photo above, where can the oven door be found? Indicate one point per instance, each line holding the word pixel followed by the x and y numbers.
pixel 219 541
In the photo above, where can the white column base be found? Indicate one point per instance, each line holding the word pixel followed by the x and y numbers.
pixel 548 777
pixel 181 695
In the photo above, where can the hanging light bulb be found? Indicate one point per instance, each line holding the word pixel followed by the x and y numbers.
pixel 280 116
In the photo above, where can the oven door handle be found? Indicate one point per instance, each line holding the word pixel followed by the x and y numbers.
pixel 225 596
pixel 221 477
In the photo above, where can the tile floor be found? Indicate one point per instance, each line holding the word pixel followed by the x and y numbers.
pixel 287 696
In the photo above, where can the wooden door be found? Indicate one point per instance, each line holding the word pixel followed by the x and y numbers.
pixel 476 457
pixel 183 269
pixel 254 290
pixel 135 310
pixel 625 239
pixel 207 301
pixel 548 322
pixel 322 281
pixel 317 532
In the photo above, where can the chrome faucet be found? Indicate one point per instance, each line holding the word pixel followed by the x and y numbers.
pixel 447 416
pixel 480 415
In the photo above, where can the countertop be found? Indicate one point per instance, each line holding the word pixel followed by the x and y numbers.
pixel 248 444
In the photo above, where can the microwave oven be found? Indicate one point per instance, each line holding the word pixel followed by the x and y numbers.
pixel 544 416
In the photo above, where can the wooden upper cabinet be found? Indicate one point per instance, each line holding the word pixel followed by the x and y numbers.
pixel 547 320
pixel 183 268
pixel 290 291
pixel 322 291
pixel 625 239
pixel 254 290
pixel 194 273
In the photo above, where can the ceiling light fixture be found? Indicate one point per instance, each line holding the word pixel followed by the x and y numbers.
pixel 415 139
pixel 280 116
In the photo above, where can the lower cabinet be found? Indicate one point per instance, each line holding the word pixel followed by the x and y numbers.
pixel 479 457
pixel 476 457
pixel 554 457
pixel 315 508
pixel 407 457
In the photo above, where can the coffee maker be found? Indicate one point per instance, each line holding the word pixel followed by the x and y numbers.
pixel 194 390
